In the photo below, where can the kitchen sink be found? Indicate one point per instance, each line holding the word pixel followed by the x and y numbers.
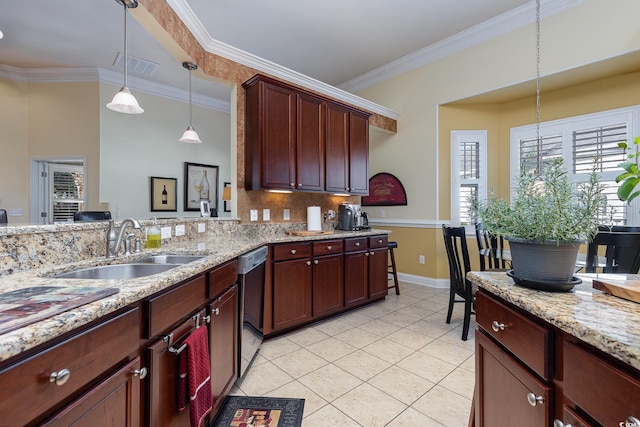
pixel 170 259
pixel 117 271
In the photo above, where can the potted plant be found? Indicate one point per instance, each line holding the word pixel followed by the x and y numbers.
pixel 630 178
pixel 547 220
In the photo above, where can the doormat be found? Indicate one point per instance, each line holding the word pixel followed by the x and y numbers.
pixel 247 411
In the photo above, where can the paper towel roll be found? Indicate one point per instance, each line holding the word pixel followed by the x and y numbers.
pixel 314 221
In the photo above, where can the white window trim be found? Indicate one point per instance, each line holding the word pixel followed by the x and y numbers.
pixel 458 136
pixel 630 115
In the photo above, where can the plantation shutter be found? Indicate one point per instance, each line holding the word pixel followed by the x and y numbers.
pixel 68 192
pixel 469 177
pixel 534 153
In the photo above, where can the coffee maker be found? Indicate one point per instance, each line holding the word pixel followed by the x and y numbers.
pixel 351 217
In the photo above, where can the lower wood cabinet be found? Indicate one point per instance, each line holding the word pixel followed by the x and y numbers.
pixel 292 293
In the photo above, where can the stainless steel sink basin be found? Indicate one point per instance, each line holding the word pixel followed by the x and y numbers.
pixel 116 271
pixel 170 259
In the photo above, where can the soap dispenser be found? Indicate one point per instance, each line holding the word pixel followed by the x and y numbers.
pixel 154 238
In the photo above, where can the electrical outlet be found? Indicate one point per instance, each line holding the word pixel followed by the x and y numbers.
pixel 180 230
pixel 15 212
pixel 266 214
pixel 201 228
pixel 286 214
pixel 421 259
pixel 165 232
pixel 254 214
pixel 382 213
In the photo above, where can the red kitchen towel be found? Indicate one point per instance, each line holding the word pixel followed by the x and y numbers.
pixel 194 384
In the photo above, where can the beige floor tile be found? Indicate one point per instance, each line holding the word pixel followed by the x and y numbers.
pixel 262 379
pixel 296 390
pixel 417 311
pixel 307 336
pixel 369 406
pixel 412 418
pixel 355 318
pixel 470 363
pixel 329 416
pixel 362 364
pixel 380 327
pixel 451 353
pixel 388 350
pixel 376 310
pixel 331 349
pixel 299 362
pixel 330 382
pixel 430 329
pixel 401 384
pixel 433 306
pixel 427 367
pixel 451 409
pixel 400 318
pixel 276 347
pixel 357 337
pixel 460 381
pixel 409 338
pixel 454 337
pixel 332 327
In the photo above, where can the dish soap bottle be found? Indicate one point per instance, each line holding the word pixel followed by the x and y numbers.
pixel 153 235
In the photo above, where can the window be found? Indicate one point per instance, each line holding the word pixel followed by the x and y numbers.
pixel 584 142
pixel 468 172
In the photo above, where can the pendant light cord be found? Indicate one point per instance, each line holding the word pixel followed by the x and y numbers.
pixel 538 83
pixel 125 45
pixel 190 103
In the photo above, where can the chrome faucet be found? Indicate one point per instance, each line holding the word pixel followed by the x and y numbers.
pixel 115 238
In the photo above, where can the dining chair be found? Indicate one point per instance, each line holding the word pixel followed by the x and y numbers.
pixel 622 253
pixel 3 216
pixel 489 248
pixel 455 241
pixel 91 215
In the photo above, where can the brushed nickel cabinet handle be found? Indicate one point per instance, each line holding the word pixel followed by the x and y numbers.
pixel 372 253
pixel 380 241
pixel 357 243
pixel 558 423
pixel 291 184
pixel 299 185
pixel 329 247
pixel 534 400
pixel 293 251
pixel 315 261
pixel 216 311
pixel 141 373
pixel 60 377
pixel 308 262
pixel 497 326
pixel 366 254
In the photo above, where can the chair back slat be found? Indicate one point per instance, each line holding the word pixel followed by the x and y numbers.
pixel 458 255
pixel 490 248
pixel 622 252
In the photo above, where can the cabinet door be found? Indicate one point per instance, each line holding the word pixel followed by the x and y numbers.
pixel 115 401
pixel 505 388
pixel 309 146
pixel 328 284
pixel 359 153
pixel 356 278
pixel 337 149
pixel 223 343
pixel 378 282
pixel 292 288
pixel 278 136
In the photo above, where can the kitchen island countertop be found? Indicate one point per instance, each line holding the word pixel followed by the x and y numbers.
pixel 606 322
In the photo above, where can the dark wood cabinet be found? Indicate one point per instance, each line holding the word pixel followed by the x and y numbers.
pixel 378 282
pixel 299 141
pixel 328 277
pixel 115 401
pixel 223 343
pixel 292 293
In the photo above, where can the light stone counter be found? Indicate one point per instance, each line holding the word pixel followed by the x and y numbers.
pixel 217 248
pixel 608 323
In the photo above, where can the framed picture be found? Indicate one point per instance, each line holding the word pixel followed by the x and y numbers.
pixel 163 194
pixel 226 196
pixel 200 183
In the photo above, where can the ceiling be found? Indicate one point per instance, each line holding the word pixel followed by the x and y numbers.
pixel 333 41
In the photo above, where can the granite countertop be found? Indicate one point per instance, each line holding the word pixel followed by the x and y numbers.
pixel 606 322
pixel 216 251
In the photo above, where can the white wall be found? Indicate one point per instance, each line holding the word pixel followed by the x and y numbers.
pixel 136 147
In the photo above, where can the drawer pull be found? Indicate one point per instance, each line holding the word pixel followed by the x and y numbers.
pixel 329 248
pixel 357 243
pixel 291 184
pixel 60 377
pixel 293 251
pixel 558 423
pixel 216 311
pixel 380 241
pixel 308 262
pixel 315 261
pixel 372 253
pixel 366 253
pixel 497 326
pixel 534 400
pixel 141 373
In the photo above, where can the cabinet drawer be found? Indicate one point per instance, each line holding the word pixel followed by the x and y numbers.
pixel 378 241
pixel 327 247
pixel 527 340
pixel 291 251
pixel 356 244
pixel 221 278
pixel 170 307
pixel 605 392
pixel 26 390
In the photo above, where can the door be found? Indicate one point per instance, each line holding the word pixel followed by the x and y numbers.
pixel 328 285
pixel 359 154
pixel 356 278
pixel 337 149
pixel 292 288
pixel 223 344
pixel 378 279
pixel 310 143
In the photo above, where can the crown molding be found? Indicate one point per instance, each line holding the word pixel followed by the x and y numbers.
pixel 494 27
pixel 93 74
pixel 188 17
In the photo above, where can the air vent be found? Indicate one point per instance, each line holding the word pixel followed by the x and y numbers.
pixel 136 65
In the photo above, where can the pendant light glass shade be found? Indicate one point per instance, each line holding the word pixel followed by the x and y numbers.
pixel 124 101
pixel 190 135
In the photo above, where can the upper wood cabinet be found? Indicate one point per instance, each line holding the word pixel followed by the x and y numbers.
pixel 299 141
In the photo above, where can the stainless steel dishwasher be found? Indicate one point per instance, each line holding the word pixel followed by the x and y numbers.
pixel 251 270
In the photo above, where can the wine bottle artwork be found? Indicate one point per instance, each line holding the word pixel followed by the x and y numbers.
pixel 204 187
pixel 164 195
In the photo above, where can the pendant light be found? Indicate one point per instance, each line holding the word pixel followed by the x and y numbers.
pixel 124 101
pixel 190 135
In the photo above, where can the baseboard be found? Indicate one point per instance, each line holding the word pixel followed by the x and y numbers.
pixel 424 281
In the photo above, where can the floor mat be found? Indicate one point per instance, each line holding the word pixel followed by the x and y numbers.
pixel 247 411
